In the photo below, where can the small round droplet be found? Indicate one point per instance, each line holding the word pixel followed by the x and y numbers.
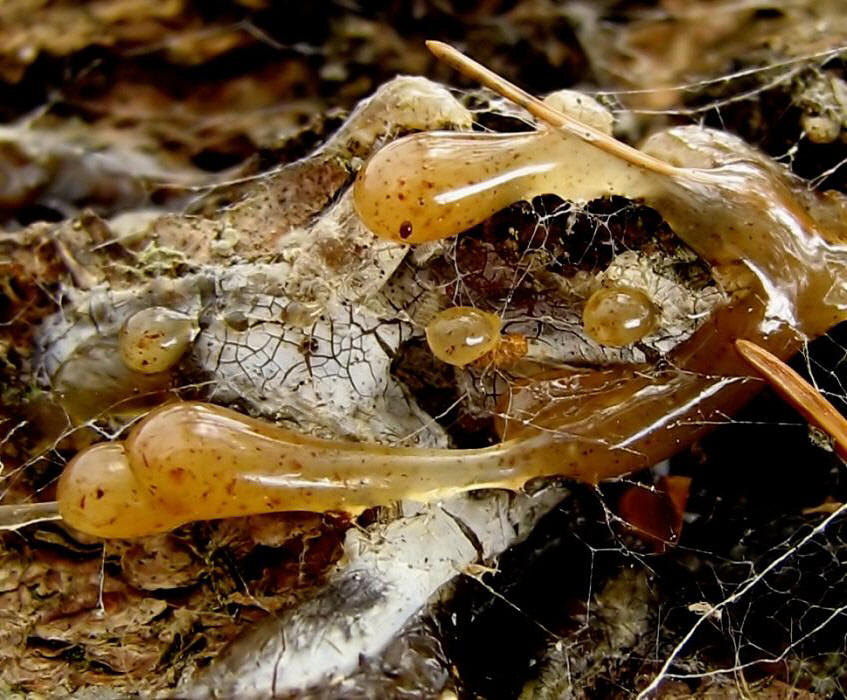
pixel 154 339
pixel 95 381
pixel 462 334
pixel 619 316
pixel 405 230
pixel 299 314
pixel 237 320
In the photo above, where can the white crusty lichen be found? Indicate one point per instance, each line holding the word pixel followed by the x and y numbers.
pixel 388 574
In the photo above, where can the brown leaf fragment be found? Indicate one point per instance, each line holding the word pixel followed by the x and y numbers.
pixel 119 614
pixel 160 562
pixel 30 27
pixel 656 514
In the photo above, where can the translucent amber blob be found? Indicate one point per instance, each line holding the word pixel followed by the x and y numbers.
pixel 462 334
pixel 99 495
pixel 619 316
pixel 95 381
pixel 300 315
pixel 153 340
pixel 433 185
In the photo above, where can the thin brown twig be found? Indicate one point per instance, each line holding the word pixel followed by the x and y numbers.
pixel 807 400
pixel 476 71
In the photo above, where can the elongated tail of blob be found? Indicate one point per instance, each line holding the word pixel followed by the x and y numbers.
pixel 193 461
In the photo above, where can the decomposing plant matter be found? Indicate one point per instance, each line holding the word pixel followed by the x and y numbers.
pixel 395 318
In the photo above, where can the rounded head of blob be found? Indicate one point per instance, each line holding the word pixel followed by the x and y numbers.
pixel 462 334
pixel 99 495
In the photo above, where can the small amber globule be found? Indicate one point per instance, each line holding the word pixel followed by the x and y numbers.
pixel 154 339
pixel 462 334
pixel 619 316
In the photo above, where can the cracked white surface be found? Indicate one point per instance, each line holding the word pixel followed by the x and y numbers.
pixel 389 573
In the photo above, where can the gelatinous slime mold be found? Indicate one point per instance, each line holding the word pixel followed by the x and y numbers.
pixel 462 334
pixel 154 339
pixel 195 461
pixel 618 316
pixel 773 247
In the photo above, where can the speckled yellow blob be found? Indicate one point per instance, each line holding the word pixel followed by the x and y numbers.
pixel 462 334
pixel 429 186
pixel 619 316
pixel 154 339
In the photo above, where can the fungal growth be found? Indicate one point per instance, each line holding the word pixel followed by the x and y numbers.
pixel 194 461
pixel 619 316
pixel 462 334
pixel 96 376
pixel 460 179
pixel 770 246
pixel 155 339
